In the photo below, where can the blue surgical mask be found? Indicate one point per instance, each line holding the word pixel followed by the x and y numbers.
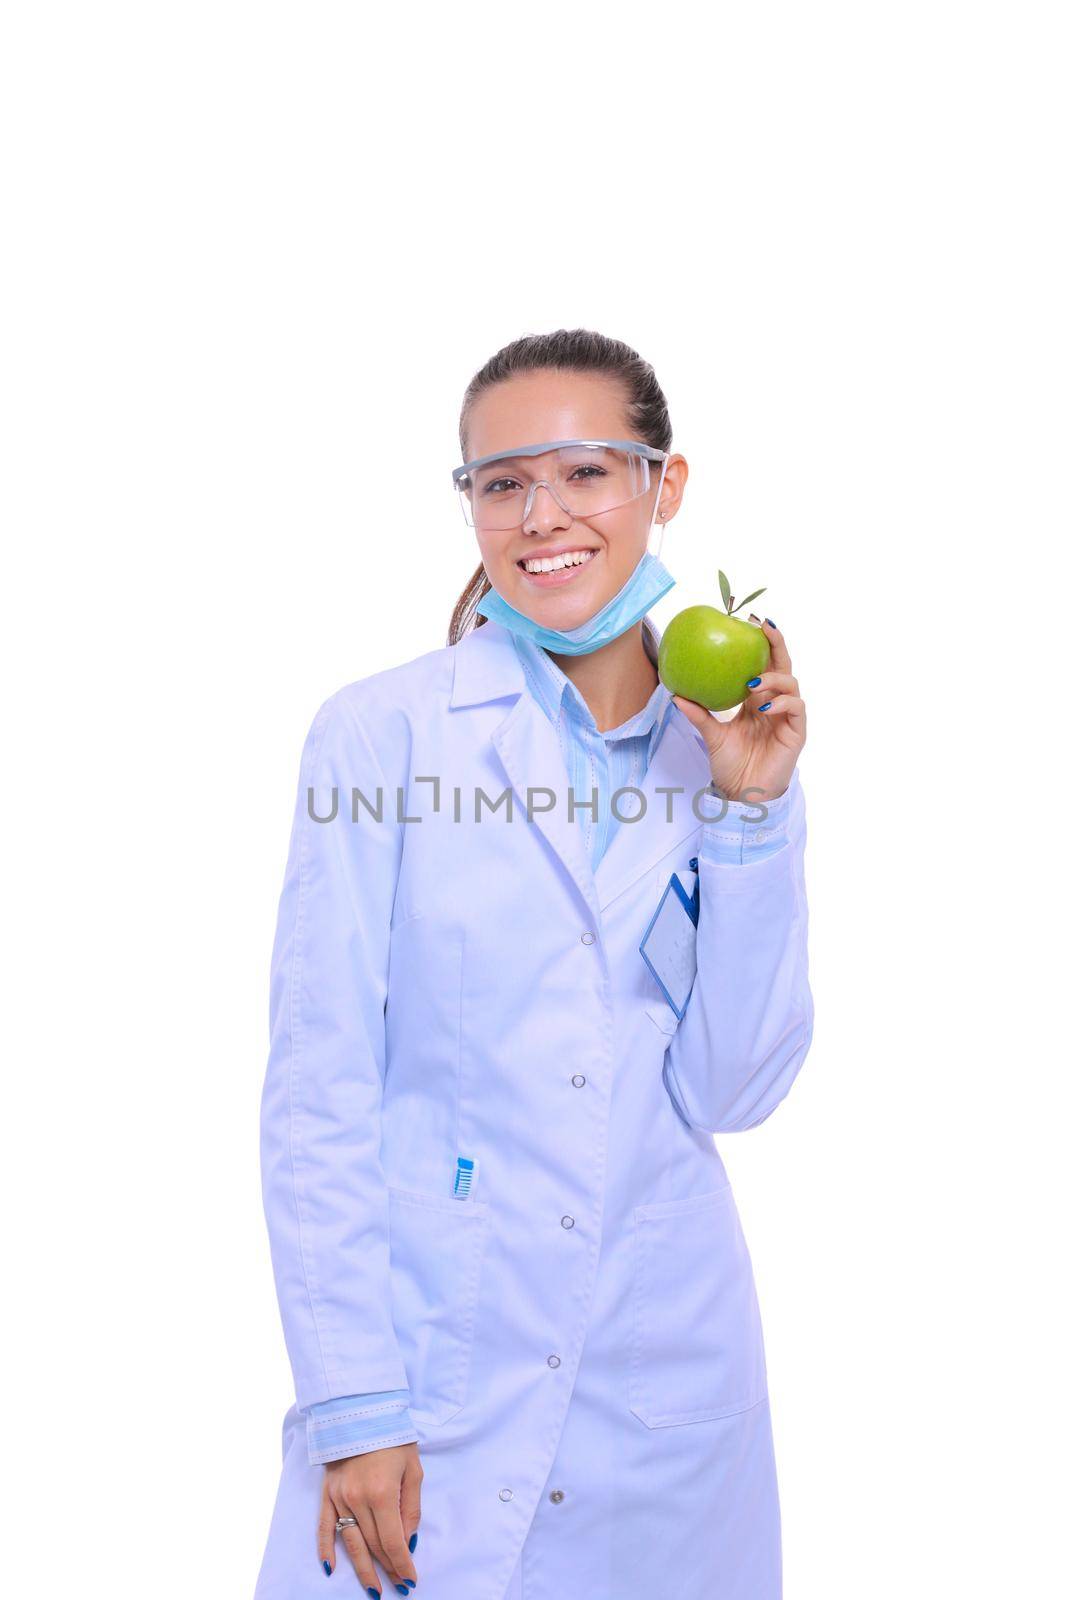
pixel 647 583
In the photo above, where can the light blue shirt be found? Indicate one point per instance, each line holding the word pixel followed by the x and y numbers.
pixel 597 765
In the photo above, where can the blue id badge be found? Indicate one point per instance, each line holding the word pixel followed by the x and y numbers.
pixel 669 946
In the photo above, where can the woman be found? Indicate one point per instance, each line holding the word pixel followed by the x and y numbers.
pixel 506 1027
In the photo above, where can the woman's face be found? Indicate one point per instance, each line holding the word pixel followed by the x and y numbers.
pixel 533 409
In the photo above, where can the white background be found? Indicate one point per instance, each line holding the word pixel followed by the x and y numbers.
pixel 254 254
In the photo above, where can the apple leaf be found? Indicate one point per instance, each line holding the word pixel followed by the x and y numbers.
pixel 754 596
pixel 724 588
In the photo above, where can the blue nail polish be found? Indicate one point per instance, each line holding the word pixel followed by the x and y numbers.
pixel 413 1541
pixel 752 682
pixel 765 706
pixel 375 1594
pixel 327 1568
pixel 402 1588
pixel 772 624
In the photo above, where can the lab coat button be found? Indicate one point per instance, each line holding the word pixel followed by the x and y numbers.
pixel 566 1222
pixel 589 938
pixel 507 1494
pixel 760 836
pixel 553 1361
pixel 556 1496
pixel 578 1079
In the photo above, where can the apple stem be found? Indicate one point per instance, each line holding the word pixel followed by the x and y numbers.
pixel 730 607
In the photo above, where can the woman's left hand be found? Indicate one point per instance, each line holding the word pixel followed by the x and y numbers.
pixel 753 754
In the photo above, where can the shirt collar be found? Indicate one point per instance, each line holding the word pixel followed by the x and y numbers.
pixel 554 690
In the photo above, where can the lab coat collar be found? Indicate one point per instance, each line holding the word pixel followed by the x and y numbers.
pixel 486 665
pixel 487 668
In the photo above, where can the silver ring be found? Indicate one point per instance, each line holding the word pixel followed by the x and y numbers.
pixel 345 1522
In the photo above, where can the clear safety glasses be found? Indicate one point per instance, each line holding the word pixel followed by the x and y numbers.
pixel 585 476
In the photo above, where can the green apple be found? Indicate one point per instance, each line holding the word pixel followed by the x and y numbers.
pixel 708 655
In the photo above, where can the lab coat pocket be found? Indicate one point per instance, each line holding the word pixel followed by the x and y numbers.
pixel 437 1245
pixel 697 1342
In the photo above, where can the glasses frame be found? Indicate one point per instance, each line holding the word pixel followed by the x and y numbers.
pixel 465 468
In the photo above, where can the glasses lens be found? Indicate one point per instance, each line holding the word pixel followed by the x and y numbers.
pixel 586 480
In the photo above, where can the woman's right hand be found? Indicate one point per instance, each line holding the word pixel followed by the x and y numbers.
pixel 382 1489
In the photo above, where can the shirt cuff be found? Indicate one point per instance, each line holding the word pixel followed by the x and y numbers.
pixel 357 1423
pixel 743 834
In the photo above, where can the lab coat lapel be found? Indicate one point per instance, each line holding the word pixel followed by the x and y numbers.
pixel 679 760
pixel 529 748
pixel 487 668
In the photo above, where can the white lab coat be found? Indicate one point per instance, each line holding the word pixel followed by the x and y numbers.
pixel 581 1337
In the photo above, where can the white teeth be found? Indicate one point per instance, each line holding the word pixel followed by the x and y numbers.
pixel 569 558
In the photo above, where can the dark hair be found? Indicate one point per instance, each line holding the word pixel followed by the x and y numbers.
pixel 566 350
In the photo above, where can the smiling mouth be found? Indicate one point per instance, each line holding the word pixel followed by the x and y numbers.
pixel 559 563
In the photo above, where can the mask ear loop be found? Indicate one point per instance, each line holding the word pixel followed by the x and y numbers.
pixel 655 508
